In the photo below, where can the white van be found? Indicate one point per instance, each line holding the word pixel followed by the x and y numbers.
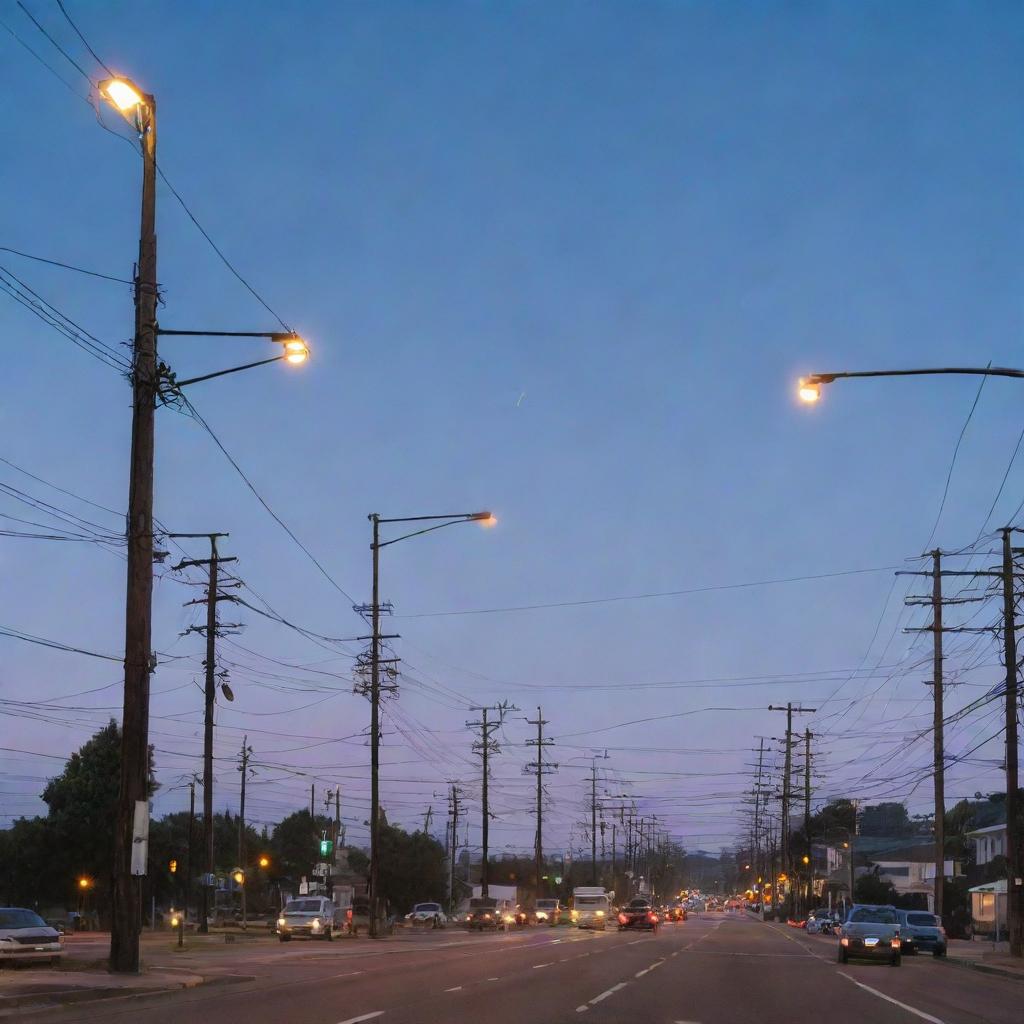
pixel 590 907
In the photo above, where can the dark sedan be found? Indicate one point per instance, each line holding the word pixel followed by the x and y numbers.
pixel 638 913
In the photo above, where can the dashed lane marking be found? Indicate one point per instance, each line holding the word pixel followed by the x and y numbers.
pixel 454 988
pixel 615 988
pixel 889 999
pixel 537 967
pixel 365 1016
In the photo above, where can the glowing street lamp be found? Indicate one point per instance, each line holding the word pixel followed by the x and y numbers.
pixel 84 883
pixel 808 390
pixel 121 93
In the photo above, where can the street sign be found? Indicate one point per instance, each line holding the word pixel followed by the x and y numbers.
pixel 140 838
pixel 321 870
pixel 210 881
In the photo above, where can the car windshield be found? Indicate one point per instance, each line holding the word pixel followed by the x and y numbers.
pixel 547 904
pixel 591 901
pixel 639 905
pixel 482 903
pixel 873 915
pixel 303 907
pixel 432 908
pixel 16 918
pixel 922 920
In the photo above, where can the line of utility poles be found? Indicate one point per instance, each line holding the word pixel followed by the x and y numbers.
pixel 211 630
pixel 787 790
pixel 485 747
pixel 540 768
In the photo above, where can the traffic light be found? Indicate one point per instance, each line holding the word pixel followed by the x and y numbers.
pixel 238 876
pixel 326 846
pixel 173 866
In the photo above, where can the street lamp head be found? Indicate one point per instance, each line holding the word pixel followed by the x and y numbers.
pixel 122 94
pixel 84 883
pixel 484 518
pixel 295 349
pixel 809 390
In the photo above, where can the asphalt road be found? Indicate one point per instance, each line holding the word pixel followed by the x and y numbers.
pixel 717 969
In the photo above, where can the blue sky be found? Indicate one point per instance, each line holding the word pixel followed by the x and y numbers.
pixel 564 261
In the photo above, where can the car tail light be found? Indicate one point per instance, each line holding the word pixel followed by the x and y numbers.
pixel 652 917
pixel 623 919
pixel 844 941
pixel 896 943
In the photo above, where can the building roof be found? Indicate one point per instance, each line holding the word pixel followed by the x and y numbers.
pixel 997 886
pixel 988 830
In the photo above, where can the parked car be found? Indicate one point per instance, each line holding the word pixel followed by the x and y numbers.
pixel 638 913
pixel 921 931
pixel 25 936
pixel 429 914
pixel 313 917
pixel 870 932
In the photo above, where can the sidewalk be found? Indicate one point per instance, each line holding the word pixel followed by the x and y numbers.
pixel 990 957
pixel 45 988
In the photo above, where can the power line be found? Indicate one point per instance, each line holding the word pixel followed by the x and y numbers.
pixel 84 40
pixel 66 266
pixel 56 45
pixel 46 64
pixel 277 519
pixel 649 596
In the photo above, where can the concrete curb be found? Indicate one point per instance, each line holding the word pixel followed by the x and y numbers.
pixel 70 997
pixel 977 965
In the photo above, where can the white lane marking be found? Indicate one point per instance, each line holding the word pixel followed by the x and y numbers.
pixel 347 974
pixel 647 970
pixel 615 988
pixel 365 1016
pixel 582 1009
pixel 537 967
pixel 494 979
pixel 634 942
pixel 889 999
pixel 454 988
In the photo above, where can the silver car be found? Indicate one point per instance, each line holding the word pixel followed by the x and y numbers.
pixel 921 931
pixel 312 917
pixel 25 936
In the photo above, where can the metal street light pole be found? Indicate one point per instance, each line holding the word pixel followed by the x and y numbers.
pixel 375 662
pixel 809 387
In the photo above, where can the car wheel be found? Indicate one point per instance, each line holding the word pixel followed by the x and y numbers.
pixel 939 951
pixel 842 957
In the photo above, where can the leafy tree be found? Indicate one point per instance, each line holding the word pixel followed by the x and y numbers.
pixel 412 867
pixel 872 889
pixel 295 843
pixel 886 819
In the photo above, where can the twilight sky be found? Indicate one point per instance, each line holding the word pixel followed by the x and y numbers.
pixel 559 260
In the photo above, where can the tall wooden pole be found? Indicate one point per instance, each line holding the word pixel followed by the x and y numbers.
pixel 129 867
pixel 939 771
pixel 1015 867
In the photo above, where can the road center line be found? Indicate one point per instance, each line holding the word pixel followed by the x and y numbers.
pixel 889 999
pixel 454 988
pixel 615 988
pixel 365 1016
pixel 537 967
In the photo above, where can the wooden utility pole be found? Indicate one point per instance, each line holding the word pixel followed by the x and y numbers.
pixel 540 768
pixel 130 857
pixel 210 696
pixel 807 815
pixel 593 822
pixel 188 855
pixel 246 751
pixel 1015 867
pixel 939 771
pixel 486 746
pixel 454 810
pixel 427 818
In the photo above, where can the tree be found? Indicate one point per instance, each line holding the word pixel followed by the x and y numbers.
pixel 412 868
pixel 295 842
pixel 870 888
pixel 886 819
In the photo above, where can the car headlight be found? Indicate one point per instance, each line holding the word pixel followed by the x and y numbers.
pixel 281 922
pixel 175 921
pixel 316 923
pixel 844 941
pixel 541 916
pixel 600 913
